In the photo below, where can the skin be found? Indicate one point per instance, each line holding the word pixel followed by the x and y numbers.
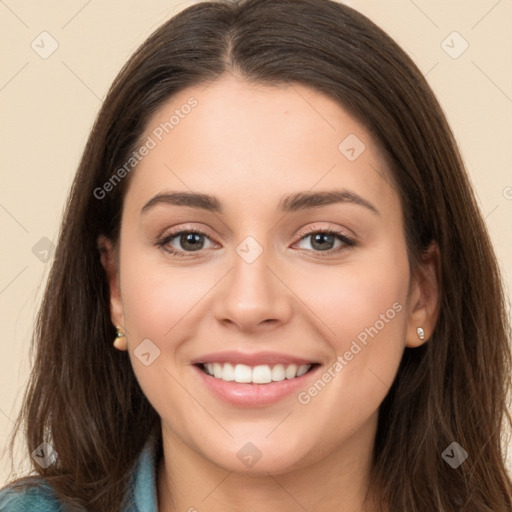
pixel 249 145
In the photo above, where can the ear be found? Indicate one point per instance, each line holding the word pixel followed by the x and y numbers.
pixel 109 261
pixel 424 297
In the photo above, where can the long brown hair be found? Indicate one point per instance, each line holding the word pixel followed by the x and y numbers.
pixel 83 397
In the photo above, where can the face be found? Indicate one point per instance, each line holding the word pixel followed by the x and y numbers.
pixel 258 283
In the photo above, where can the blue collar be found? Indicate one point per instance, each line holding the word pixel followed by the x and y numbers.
pixel 142 495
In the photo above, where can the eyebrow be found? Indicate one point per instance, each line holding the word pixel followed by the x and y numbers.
pixel 289 203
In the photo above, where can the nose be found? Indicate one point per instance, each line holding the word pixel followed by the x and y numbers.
pixel 253 296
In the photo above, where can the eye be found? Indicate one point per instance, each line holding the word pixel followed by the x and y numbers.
pixel 323 240
pixel 191 240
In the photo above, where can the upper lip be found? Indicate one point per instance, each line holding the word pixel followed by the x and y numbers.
pixel 250 359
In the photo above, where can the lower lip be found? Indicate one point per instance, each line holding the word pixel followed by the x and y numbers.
pixel 254 395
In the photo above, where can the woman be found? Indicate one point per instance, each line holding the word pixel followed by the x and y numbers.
pixel 272 224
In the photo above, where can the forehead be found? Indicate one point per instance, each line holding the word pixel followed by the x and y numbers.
pixel 242 141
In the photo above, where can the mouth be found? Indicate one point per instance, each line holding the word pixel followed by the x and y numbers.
pixel 260 374
pixel 262 385
pixel 253 379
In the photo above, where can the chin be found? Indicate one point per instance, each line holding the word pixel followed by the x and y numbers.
pixel 259 458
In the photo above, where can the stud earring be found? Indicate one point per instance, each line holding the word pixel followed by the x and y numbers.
pixel 421 333
pixel 120 340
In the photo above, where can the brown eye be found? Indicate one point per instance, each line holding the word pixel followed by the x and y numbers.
pixel 183 241
pixel 323 241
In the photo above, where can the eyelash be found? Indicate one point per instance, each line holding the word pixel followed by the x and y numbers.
pixel 347 242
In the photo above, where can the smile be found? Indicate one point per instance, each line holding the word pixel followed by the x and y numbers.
pixel 254 386
pixel 261 374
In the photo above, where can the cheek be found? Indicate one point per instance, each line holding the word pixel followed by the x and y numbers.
pixel 157 295
pixel 157 302
pixel 364 318
pixel 153 302
pixel 362 311
pixel 358 297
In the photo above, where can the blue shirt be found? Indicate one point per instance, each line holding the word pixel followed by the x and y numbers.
pixel 140 497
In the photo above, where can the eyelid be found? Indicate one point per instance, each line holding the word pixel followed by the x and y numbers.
pixel 338 230
pixel 188 228
pixel 306 231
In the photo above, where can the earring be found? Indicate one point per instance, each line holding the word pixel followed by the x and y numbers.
pixel 120 340
pixel 421 333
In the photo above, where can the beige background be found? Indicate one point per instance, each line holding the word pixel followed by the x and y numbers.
pixel 48 107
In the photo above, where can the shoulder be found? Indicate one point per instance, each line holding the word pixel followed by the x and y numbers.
pixel 34 497
pixel 38 495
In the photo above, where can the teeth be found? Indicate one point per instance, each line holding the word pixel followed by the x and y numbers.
pixel 291 371
pixel 278 372
pixel 302 370
pixel 217 370
pixel 262 374
pixel 243 373
pixel 228 372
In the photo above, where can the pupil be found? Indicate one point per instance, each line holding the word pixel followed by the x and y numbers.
pixel 189 239
pixel 321 237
